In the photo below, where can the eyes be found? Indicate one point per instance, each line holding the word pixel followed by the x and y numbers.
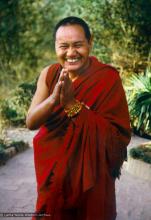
pixel 63 46
pixel 66 46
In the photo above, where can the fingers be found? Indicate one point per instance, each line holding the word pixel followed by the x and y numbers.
pixel 62 74
pixel 62 87
pixel 66 91
pixel 63 81
pixel 57 87
pixel 61 77
pixel 56 91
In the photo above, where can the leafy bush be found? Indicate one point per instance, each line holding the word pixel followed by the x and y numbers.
pixel 3 155
pixel 14 109
pixel 142 153
pixel 18 145
pixel 139 100
pixel 2 145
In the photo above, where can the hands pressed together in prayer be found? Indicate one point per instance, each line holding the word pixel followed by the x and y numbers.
pixel 63 92
pixel 43 105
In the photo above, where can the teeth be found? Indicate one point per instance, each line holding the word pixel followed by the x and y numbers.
pixel 72 60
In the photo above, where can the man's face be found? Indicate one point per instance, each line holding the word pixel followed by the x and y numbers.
pixel 72 48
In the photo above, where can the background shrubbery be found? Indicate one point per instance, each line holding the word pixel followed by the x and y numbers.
pixel 139 101
pixel 141 153
pixel 14 108
pixel 18 146
pixel 121 29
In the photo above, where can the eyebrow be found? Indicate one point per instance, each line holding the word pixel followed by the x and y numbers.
pixel 76 42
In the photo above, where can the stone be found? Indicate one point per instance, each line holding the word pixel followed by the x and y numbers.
pixel 10 152
pixel 139 168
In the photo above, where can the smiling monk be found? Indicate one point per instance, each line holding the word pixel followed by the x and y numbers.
pixel 81 110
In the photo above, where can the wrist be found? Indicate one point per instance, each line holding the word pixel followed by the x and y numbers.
pixel 69 105
pixel 52 101
pixel 73 109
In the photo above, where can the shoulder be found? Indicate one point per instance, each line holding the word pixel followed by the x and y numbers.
pixel 104 70
pixel 49 76
pixel 44 72
pixel 48 71
pixel 52 74
pixel 109 74
pixel 111 71
pixel 43 76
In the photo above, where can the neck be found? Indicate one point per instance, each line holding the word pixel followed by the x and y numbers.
pixel 73 76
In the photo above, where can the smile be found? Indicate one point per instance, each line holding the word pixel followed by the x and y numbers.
pixel 73 60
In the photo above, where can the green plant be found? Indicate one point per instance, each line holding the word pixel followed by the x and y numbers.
pixel 14 109
pixel 142 153
pixel 19 145
pixel 4 145
pixel 139 100
pixel 3 156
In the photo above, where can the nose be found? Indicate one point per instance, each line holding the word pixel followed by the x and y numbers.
pixel 71 52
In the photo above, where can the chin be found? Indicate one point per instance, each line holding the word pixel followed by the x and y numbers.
pixel 72 67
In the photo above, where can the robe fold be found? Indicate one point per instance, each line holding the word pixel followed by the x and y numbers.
pixel 77 160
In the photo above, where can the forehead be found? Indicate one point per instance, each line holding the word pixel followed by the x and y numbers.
pixel 70 33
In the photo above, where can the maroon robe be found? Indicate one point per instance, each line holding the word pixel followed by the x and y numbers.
pixel 77 160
